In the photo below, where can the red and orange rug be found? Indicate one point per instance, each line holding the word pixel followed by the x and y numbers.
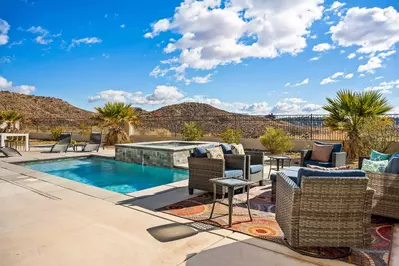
pixel 264 225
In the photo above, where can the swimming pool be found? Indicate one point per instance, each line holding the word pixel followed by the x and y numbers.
pixel 109 174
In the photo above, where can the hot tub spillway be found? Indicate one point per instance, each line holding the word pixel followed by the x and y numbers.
pixel 159 153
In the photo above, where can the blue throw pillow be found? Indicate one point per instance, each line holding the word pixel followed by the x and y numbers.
pixel 378 156
pixel 333 173
pixel 226 148
pixel 395 155
pixel 200 151
pixel 393 166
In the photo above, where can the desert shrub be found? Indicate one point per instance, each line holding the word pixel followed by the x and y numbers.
pixel 377 134
pixel 192 131
pixel 56 132
pixel 231 135
pixel 276 141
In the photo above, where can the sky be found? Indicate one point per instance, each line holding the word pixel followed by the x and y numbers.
pixel 247 56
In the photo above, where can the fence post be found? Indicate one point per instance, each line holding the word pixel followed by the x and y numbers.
pixel 311 126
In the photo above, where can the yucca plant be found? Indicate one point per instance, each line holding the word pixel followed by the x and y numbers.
pixel 350 110
pixel 9 118
pixel 114 115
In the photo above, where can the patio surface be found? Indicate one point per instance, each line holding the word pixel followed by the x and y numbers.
pixel 48 220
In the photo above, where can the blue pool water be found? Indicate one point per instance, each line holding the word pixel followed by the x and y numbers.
pixel 109 174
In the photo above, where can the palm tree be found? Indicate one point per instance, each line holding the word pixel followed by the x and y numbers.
pixel 350 110
pixel 9 118
pixel 114 115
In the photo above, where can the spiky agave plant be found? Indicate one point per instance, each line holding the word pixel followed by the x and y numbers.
pixel 348 112
pixel 113 115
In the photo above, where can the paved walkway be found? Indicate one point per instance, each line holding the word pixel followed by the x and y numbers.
pixel 47 220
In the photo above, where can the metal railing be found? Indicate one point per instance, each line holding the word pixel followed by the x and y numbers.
pixel 306 127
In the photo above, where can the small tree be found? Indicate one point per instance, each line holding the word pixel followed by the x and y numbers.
pixel 377 134
pixel 192 132
pixel 276 141
pixel 231 135
pixel 56 132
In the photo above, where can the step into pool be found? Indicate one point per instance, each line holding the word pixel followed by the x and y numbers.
pixel 109 174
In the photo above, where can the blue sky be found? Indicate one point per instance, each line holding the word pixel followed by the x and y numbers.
pixel 252 56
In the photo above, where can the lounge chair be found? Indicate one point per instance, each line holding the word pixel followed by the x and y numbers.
pixel 201 169
pixel 324 209
pixel 94 143
pixel 63 143
pixel 337 157
pixel 9 152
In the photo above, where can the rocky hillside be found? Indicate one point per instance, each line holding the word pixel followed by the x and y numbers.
pixel 41 108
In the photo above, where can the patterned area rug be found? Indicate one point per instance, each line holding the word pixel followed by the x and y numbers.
pixel 264 225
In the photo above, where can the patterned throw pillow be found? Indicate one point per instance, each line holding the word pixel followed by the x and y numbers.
pixel 378 156
pixel 374 166
pixel 321 153
pixel 215 153
pixel 237 149
pixel 345 167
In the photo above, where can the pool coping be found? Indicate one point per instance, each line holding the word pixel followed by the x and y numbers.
pixel 150 145
pixel 23 173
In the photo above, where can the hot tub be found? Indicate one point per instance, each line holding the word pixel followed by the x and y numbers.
pixel 168 154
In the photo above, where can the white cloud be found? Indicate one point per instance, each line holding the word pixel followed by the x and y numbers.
pixel 336 6
pixel 371 29
pixel 202 80
pixel 44 37
pixel 15 43
pixel 342 52
pixel 352 55
pixel 314 58
pixel 348 76
pixel 7 85
pixel 362 75
pixel 322 47
pixel 106 56
pixel 123 26
pixel 327 81
pixel 373 63
pixel 286 107
pixel 275 28
pixel 338 74
pixel 6 59
pixel 161 95
pixel 312 108
pixel 87 40
pixel 294 100
pixel 380 77
pixel 314 36
pixel 4 28
pixel 257 108
pixel 384 87
pixel 304 82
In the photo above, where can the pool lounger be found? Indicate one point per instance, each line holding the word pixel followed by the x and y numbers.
pixel 9 152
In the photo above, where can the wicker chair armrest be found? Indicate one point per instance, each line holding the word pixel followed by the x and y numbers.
pixel 361 158
pixel 235 161
pixel 339 159
pixel 288 207
pixel 206 163
pixel 305 155
pixel 255 157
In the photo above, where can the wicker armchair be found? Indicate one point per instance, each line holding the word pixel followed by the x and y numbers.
pixel 324 211
pixel 386 196
pixel 203 169
pixel 337 157
pixel 255 166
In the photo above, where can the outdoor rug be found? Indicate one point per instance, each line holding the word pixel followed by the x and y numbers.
pixel 264 225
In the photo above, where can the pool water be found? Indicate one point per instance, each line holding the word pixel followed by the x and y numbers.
pixel 109 174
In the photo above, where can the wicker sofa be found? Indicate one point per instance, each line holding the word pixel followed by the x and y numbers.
pixel 324 211
pixel 386 196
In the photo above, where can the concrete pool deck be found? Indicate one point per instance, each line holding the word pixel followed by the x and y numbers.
pixel 48 220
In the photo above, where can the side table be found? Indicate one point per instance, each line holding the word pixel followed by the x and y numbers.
pixel 278 160
pixel 232 184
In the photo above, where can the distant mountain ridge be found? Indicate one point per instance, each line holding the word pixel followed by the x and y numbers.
pixel 39 107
